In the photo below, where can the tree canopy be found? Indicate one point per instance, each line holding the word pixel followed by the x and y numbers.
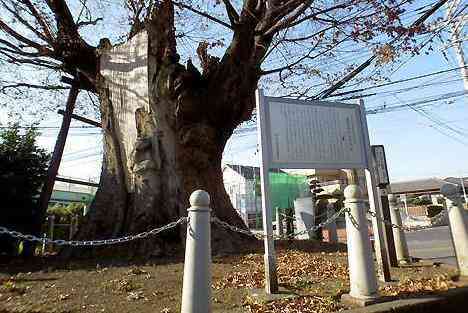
pixel 298 47
pixel 23 166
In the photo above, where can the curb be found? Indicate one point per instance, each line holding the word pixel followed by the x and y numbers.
pixel 453 301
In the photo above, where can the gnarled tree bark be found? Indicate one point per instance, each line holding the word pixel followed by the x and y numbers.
pixel 180 139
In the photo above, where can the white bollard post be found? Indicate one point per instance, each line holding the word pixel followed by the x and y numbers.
pixel 401 246
pixel 458 225
pixel 363 281
pixel 51 219
pixel 331 228
pixel 196 290
pixel 279 223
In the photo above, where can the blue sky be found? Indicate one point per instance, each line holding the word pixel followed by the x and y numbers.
pixel 414 149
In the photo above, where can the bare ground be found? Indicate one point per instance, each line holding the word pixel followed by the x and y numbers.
pixel 315 273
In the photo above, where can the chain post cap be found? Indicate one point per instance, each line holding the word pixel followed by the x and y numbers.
pixel 449 190
pixel 199 198
pixel 352 192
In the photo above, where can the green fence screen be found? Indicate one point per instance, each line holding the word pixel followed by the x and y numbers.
pixel 285 188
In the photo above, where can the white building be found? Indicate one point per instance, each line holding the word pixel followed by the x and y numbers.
pixel 240 183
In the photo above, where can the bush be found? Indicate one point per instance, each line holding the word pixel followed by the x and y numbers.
pixel 433 210
pixel 64 214
pixel 419 201
pixel 23 166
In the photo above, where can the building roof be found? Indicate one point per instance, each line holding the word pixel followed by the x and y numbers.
pixel 427 185
pixel 457 180
pixel 248 172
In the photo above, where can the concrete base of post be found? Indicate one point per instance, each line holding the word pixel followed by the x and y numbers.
pixel 260 296
pixel 349 300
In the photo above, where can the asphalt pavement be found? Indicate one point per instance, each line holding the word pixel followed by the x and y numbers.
pixel 432 244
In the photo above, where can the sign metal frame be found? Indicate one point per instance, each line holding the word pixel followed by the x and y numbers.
pixel 265 142
pixel 266 127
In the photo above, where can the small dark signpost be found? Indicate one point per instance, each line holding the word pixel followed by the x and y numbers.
pixel 383 183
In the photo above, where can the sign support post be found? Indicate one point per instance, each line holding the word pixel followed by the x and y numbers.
pixel 380 246
pixel 383 181
pixel 271 279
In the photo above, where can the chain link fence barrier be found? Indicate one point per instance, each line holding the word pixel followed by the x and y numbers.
pixel 435 220
pixel 259 235
pixel 103 242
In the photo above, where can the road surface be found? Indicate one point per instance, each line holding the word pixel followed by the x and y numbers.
pixel 432 244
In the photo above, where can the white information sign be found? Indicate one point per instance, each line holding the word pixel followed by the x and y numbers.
pixel 313 134
pixel 298 134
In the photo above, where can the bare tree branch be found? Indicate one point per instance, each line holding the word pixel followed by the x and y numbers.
pixel 298 11
pixel 4 85
pixel 204 14
pixel 231 12
pixel 42 49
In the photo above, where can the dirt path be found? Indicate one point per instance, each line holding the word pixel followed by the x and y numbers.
pixel 317 278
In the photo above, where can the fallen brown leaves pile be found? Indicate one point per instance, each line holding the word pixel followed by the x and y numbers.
pixel 410 287
pixel 293 268
pixel 306 304
pixel 317 279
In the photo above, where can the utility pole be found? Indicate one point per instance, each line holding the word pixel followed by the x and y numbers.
pixel 456 25
pixel 59 147
pixel 462 181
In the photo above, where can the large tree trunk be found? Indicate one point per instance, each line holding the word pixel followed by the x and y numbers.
pixel 157 152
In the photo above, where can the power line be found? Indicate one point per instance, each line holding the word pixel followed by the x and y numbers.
pixel 48 127
pixel 439 125
pixel 398 81
pixel 387 108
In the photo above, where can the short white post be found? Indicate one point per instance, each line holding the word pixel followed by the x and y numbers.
pixel 51 220
pixel 279 223
pixel 401 246
pixel 44 236
pixel 196 290
pixel 331 228
pixel 362 276
pixel 458 225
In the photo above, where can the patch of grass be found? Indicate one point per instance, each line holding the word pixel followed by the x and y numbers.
pixel 12 287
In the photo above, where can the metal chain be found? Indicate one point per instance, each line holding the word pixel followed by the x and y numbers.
pixel 216 220
pixel 262 235
pixel 102 242
pixel 433 220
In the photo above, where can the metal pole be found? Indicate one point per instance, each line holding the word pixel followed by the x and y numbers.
pixel 271 279
pixel 458 225
pixel 279 223
pixel 464 189
pixel 380 245
pixel 196 289
pixel 388 228
pixel 457 42
pixel 331 228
